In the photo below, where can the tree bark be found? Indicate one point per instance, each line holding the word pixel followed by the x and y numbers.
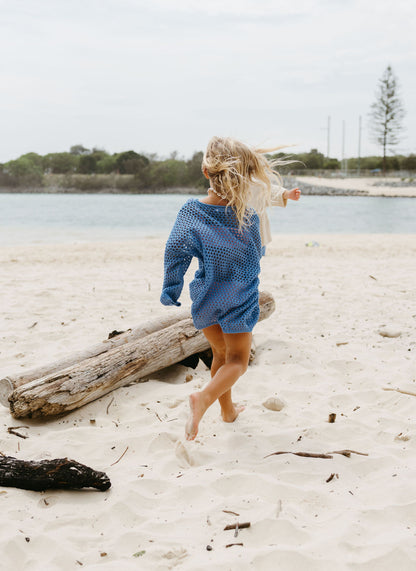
pixel 65 390
pixel 60 473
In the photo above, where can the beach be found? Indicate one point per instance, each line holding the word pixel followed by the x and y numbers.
pixel 341 341
pixel 366 186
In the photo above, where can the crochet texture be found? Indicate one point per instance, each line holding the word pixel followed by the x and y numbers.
pixel 225 287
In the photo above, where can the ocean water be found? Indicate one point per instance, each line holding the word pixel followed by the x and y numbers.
pixel 63 218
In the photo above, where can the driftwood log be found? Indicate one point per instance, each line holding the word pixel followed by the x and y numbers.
pixel 9 384
pixel 74 386
pixel 60 473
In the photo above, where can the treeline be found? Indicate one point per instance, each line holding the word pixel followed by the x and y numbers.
pixel 316 161
pixel 95 169
pixel 129 170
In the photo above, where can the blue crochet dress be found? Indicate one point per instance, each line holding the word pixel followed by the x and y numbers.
pixel 225 287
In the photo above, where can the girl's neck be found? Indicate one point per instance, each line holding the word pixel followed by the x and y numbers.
pixel 213 198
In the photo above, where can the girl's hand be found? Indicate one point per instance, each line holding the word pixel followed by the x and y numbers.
pixel 293 194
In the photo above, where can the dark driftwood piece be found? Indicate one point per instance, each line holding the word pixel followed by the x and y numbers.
pixel 70 388
pixel 60 473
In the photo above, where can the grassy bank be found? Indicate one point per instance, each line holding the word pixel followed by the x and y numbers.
pixel 94 183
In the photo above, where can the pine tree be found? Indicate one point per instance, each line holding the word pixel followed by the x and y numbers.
pixel 387 114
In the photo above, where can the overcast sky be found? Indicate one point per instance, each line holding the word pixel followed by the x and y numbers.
pixel 163 75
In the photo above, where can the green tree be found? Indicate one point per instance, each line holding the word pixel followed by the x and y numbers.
pixel 26 171
pixel 131 162
pixel 314 159
pixel 386 115
pixel 332 164
pixel 79 150
pixel 408 163
pixel 106 164
pixel 87 164
pixel 60 163
pixel 194 171
pixel 35 159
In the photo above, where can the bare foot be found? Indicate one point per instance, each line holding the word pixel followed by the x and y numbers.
pixel 231 415
pixel 197 412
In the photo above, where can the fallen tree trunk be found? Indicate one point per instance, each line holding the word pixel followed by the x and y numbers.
pixel 92 378
pixel 60 473
pixel 9 384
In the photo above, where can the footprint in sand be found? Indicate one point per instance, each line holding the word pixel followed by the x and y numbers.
pixel 182 454
pixel 175 556
pixel 175 403
pixel 47 502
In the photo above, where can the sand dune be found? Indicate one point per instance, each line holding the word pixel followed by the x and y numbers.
pixel 321 352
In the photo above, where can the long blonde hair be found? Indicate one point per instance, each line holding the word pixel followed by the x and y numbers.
pixel 234 169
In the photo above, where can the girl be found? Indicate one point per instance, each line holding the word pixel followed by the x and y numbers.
pixel 223 232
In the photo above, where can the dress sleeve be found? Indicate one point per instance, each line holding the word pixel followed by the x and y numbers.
pixel 178 256
pixel 277 196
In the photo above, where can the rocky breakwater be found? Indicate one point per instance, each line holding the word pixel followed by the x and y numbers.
pixel 316 189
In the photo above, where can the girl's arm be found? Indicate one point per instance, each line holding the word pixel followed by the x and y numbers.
pixel 293 194
pixel 277 196
pixel 178 256
pixel 280 195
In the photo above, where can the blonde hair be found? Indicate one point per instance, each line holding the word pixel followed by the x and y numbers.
pixel 233 168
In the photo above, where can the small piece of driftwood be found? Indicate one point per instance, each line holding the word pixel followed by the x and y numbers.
pixel 348 453
pixel 13 430
pixel 303 454
pixel 74 386
pixel 60 473
pixel 237 526
pixel 400 391
pixel 327 455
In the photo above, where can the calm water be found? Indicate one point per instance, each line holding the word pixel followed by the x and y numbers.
pixel 50 218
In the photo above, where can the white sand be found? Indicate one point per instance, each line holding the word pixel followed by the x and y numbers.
pixel 168 496
pixel 368 185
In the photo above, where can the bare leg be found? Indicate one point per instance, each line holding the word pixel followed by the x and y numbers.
pixel 231 353
pixel 215 336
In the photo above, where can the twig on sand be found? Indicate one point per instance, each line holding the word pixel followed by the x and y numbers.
pixel 232 544
pixel 109 404
pixel 12 430
pixel 328 455
pixel 303 454
pixel 237 525
pixel 120 457
pixel 400 391
pixel 348 453
pixel 331 477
